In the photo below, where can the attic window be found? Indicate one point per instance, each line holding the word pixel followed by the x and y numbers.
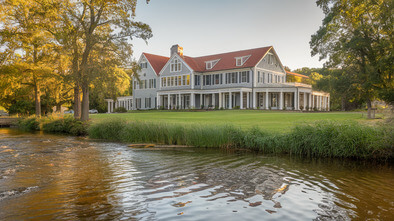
pixel 144 65
pixel 176 65
pixel 241 60
pixel 211 64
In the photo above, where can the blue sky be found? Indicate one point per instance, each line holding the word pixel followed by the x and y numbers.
pixel 204 27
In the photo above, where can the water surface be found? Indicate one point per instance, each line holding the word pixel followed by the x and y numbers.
pixel 47 177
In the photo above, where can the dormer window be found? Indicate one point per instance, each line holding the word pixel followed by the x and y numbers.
pixel 175 65
pixel 239 61
pixel 210 64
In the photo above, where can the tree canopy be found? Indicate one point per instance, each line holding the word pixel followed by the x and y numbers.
pixel 74 44
pixel 357 37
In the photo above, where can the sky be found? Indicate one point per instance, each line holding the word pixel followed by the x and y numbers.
pixel 205 27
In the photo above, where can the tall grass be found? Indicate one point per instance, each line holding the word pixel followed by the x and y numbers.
pixel 54 124
pixel 64 125
pixel 322 139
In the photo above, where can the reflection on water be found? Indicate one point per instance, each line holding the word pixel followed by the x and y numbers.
pixel 56 177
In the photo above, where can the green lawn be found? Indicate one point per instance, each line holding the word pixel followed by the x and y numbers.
pixel 274 121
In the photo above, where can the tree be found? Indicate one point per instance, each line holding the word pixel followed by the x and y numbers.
pixel 356 36
pixel 98 29
pixel 26 46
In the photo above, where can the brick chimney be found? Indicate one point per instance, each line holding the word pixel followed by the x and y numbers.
pixel 177 49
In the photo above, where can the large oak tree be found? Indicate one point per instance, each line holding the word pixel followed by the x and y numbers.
pixel 357 36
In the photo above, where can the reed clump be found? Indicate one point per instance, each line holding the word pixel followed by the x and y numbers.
pixel 64 125
pixel 29 124
pixel 320 139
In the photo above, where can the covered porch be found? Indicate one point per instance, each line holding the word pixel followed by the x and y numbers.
pixel 126 102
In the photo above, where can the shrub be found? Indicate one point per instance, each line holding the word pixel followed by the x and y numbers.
pixel 29 124
pixel 120 110
pixel 66 125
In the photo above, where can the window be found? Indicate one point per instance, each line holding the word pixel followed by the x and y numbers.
pixel 175 65
pixel 211 64
pixel 245 76
pixel 234 79
pixel 154 83
pixel 258 76
pixel 183 79
pixel 217 79
pixel 239 61
pixel 138 103
pixel 197 80
pixel 144 65
pixel 147 102
pixel 164 82
pixel 179 80
pixel 263 78
pixel 207 79
pixel 187 79
pixel 271 59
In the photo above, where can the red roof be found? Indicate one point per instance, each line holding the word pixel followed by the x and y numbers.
pixel 156 61
pixel 296 74
pixel 227 60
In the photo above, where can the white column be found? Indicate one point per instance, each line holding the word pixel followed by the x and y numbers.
pixel 304 101
pixel 200 100
pixel 241 99
pixel 266 99
pixel 247 99
pixel 176 100
pixel 192 104
pixel 158 101
pixel 295 100
pixel 254 97
pixel 319 102
pixel 168 101
pixel 220 100
pixel 328 103
pixel 313 101
pixel 281 100
pixel 230 105
pixel 214 100
pixel 108 111
pixel 310 101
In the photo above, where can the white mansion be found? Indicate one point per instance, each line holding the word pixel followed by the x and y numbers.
pixel 248 79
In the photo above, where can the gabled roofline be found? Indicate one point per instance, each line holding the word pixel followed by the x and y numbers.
pixel 150 64
pixel 169 61
pixel 276 55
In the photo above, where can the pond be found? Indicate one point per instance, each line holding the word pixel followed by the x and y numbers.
pixel 46 177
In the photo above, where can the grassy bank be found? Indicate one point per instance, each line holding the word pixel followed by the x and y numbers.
pixel 274 121
pixel 321 139
pixel 295 135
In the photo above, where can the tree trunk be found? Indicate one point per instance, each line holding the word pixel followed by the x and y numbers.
pixel 77 102
pixel 369 105
pixel 343 104
pixel 37 98
pixel 85 102
pixel 58 108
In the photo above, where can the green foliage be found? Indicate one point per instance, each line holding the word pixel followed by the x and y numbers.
pixel 357 36
pixel 323 139
pixel 29 124
pixel 65 125
pixel 24 107
pixel 120 110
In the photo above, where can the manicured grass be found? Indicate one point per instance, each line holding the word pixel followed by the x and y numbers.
pixel 274 121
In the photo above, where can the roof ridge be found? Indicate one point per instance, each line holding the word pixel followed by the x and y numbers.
pixel 231 52
pixel 155 55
